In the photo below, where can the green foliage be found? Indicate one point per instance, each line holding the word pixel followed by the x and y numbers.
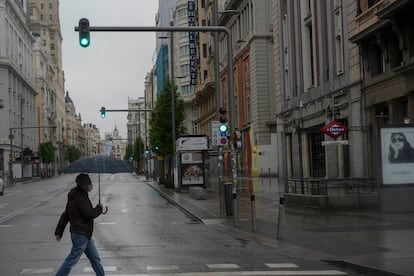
pixel 47 152
pixel 161 120
pixel 73 153
pixel 138 148
pixel 129 152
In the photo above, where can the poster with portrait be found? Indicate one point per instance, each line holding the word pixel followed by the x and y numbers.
pixel 397 155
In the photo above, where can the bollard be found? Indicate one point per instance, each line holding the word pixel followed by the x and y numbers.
pixel 253 209
pixel 279 217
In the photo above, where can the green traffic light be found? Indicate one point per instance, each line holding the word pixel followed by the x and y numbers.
pixel 84 42
pixel 223 128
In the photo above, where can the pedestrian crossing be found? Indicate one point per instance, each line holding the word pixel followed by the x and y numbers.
pixel 216 269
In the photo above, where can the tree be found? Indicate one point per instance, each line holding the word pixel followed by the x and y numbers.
pixel 47 152
pixel 73 153
pixel 138 150
pixel 161 120
pixel 129 152
pixel 161 125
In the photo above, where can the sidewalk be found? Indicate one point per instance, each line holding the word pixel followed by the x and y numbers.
pixel 371 242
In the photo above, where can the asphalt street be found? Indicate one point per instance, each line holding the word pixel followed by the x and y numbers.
pixel 143 234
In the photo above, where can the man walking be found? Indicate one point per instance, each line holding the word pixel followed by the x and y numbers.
pixel 80 213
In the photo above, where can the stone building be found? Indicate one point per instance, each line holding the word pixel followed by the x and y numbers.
pixel 17 87
pixel 250 23
pixel 317 82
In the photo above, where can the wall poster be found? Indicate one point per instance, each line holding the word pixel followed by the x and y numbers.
pixel 397 155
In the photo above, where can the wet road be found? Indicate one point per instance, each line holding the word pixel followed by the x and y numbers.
pixel 143 234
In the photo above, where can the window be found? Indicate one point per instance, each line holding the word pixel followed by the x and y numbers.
pixel 204 50
pixel 184 50
pixel 41 17
pixel 41 6
pixel 52 35
pixel 52 46
pixel 50 5
pixel 50 16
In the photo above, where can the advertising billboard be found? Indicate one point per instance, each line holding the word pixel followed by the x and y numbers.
pixel 397 155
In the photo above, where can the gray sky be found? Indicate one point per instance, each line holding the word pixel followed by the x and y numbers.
pixel 113 67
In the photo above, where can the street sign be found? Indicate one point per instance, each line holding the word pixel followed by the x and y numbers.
pixel 334 129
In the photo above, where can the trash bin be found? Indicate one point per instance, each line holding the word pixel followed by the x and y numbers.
pixel 228 198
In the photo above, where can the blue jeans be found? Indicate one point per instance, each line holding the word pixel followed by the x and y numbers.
pixel 81 244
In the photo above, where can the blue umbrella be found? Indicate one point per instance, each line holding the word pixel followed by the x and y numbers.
pixel 99 164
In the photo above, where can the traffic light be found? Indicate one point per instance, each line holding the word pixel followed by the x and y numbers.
pixel 84 37
pixel 103 112
pixel 110 140
pixel 223 127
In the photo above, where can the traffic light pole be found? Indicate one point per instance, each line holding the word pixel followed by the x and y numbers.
pixel 212 29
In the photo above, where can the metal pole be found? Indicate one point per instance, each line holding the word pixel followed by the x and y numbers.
pixel 253 210
pixel 11 136
pixel 173 108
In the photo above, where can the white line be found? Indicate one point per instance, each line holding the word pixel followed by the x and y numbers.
pixel 6 225
pixel 222 266
pixel 37 270
pixel 12 193
pixel 282 265
pixel 12 214
pixel 4 204
pixel 107 223
pixel 106 269
pixel 242 273
pixel 162 267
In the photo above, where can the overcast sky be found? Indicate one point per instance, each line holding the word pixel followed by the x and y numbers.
pixel 113 67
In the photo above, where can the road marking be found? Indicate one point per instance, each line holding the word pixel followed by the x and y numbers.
pixel 37 270
pixel 222 266
pixel 6 225
pixel 12 214
pixel 12 193
pixel 162 267
pixel 106 269
pixel 242 273
pixel 282 265
pixel 4 204
pixel 107 223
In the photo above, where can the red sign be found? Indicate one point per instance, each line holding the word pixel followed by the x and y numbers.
pixel 334 129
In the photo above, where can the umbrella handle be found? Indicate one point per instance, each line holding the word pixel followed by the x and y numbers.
pixel 105 211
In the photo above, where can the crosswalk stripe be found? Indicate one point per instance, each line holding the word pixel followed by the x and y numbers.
pixel 282 265
pixel 162 267
pixel 222 266
pixel 106 269
pixel 37 270
pixel 242 273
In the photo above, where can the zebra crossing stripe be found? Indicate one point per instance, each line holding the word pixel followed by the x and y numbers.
pixel 106 269
pixel 222 266
pixel 37 270
pixel 282 265
pixel 162 267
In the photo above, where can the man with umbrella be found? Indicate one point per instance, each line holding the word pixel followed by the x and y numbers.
pixel 80 213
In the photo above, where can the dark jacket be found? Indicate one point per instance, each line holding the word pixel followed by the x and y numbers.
pixel 79 212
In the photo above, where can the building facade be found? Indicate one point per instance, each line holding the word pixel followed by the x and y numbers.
pixel 205 96
pixel 17 87
pixel 181 64
pixel 250 23
pixel 44 24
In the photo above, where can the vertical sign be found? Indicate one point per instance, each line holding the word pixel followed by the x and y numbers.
pixel 192 42
pixel 215 133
